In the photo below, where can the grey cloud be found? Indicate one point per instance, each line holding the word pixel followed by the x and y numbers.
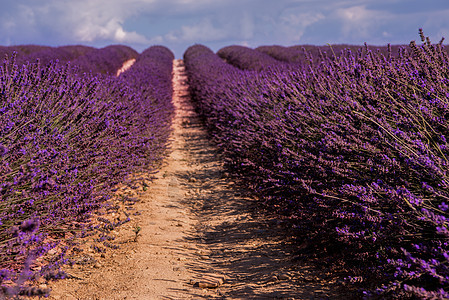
pixel 180 23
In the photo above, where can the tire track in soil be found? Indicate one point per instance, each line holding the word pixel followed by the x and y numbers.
pixel 196 223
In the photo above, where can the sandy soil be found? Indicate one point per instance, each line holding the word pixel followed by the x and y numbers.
pixel 200 236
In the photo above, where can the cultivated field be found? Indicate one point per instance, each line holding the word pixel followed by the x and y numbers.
pixel 275 172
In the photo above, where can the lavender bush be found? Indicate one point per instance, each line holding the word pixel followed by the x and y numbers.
pixel 21 51
pixel 66 139
pixel 281 53
pixel 105 61
pixel 301 55
pixel 353 149
pixel 62 54
pixel 246 58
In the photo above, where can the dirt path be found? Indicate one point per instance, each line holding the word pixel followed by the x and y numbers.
pixel 126 65
pixel 197 229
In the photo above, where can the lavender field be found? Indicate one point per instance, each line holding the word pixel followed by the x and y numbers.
pixel 347 143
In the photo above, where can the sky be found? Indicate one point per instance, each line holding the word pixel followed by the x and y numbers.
pixel 178 24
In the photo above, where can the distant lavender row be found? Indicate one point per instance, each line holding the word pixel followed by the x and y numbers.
pixel 318 53
pixel 285 54
pixel 247 59
pixel 310 54
pixel 294 57
pixel 266 57
pixel 106 60
pixel 21 50
pixel 62 54
pixel 306 54
pixel 354 150
pixel 66 139
pixel 45 54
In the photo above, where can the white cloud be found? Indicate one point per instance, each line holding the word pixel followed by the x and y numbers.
pixel 247 26
pixel 194 2
pixel 443 32
pixel 215 27
pixel 7 24
pixel 101 20
pixel 81 21
pixel 360 22
pixel 156 40
pixel 201 31
pixel 293 23
pixel 111 30
pixel 302 20
pixel 26 13
pixel 438 23
pixel 180 23
pixel 354 13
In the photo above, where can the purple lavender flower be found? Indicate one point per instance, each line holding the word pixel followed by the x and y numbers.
pixel 3 150
pixel 30 225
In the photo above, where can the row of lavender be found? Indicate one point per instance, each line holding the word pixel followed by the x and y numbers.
pixel 265 57
pixel 67 138
pixel 106 60
pixel 354 150
pixel 309 54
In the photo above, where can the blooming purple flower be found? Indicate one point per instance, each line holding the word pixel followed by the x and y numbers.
pixel 3 150
pixel 30 225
